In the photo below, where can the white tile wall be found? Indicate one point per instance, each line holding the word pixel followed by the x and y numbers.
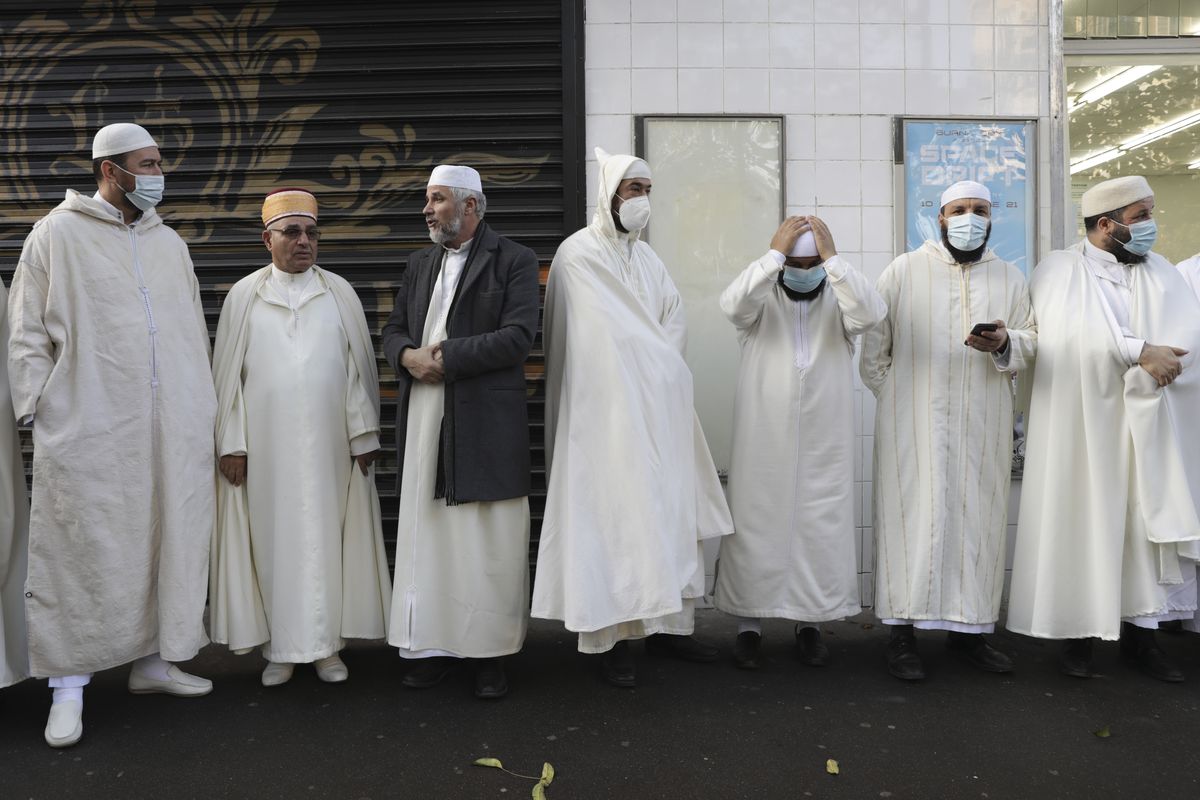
pixel 839 70
pixel 973 12
pixel 836 45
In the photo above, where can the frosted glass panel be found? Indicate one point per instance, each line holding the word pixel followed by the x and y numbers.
pixel 717 200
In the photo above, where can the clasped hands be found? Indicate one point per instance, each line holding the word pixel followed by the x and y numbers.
pixel 424 363
pixel 234 467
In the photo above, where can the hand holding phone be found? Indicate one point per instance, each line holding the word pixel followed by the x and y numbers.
pixel 980 327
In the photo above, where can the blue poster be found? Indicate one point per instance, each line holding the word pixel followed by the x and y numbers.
pixel 996 154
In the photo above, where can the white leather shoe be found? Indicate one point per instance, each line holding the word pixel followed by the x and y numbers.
pixel 178 683
pixel 277 674
pixel 65 725
pixel 331 669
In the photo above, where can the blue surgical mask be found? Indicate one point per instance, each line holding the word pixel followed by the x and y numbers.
pixel 967 231
pixel 1142 236
pixel 147 189
pixel 803 280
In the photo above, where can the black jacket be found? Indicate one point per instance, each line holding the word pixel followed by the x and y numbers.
pixel 484 448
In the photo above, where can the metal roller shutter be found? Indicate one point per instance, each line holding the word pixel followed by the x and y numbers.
pixel 355 100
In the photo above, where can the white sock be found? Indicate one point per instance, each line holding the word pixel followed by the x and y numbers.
pixel 64 694
pixel 749 624
pixel 153 666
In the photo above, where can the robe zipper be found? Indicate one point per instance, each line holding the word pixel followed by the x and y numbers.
pixel 149 309
pixel 801 334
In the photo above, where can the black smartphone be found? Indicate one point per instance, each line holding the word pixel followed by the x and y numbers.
pixel 980 327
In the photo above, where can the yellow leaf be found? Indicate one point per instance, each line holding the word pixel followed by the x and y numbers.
pixel 488 762
pixel 539 791
pixel 1103 733
pixel 831 767
pixel 547 773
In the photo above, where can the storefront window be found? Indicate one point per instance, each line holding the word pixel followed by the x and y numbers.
pixel 1140 116
pixel 1130 19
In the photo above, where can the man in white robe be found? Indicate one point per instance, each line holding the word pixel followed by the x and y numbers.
pixel 632 489
pixel 14 527
pixel 797 311
pixel 108 357
pixel 298 564
pixel 943 433
pixel 462 326
pixel 1109 531
pixel 1190 269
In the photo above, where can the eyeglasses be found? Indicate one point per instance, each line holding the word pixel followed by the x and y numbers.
pixel 292 232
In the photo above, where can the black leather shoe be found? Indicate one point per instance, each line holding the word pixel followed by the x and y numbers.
pixel 1139 646
pixel 745 650
pixel 684 648
pixel 490 681
pixel 809 647
pixel 428 672
pixel 902 659
pixel 619 668
pixel 1076 659
pixel 977 650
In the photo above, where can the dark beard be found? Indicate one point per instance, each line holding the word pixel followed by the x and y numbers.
pixel 965 256
pixel 798 296
pixel 1123 256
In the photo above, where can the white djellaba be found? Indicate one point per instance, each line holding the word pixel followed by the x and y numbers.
pixel 791 482
pixel 14 527
pixel 632 488
pixel 943 436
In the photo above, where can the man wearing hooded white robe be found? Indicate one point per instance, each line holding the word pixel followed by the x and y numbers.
pixel 943 433
pixel 791 481
pixel 632 488
pixel 108 356
pixel 14 527
pixel 298 561
pixel 1109 526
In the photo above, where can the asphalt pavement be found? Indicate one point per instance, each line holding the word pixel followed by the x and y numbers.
pixel 686 731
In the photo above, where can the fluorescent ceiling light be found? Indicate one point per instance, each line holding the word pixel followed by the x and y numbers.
pixel 1095 160
pixel 1161 131
pixel 1141 140
pixel 1106 87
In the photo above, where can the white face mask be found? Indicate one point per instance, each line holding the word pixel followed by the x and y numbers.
pixel 634 213
pixel 147 189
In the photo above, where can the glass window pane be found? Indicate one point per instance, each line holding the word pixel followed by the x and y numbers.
pixel 1075 19
pixel 1189 17
pixel 1140 119
pixel 1164 18
pixel 1131 17
pixel 1102 19
pixel 708 225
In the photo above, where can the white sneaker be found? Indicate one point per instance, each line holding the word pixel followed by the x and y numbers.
pixel 277 674
pixel 65 725
pixel 332 669
pixel 178 683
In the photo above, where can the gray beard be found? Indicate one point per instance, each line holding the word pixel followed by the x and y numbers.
pixel 440 234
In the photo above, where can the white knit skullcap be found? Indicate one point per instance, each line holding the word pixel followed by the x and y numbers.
pixel 1114 194
pixel 456 177
pixel 964 189
pixel 120 137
